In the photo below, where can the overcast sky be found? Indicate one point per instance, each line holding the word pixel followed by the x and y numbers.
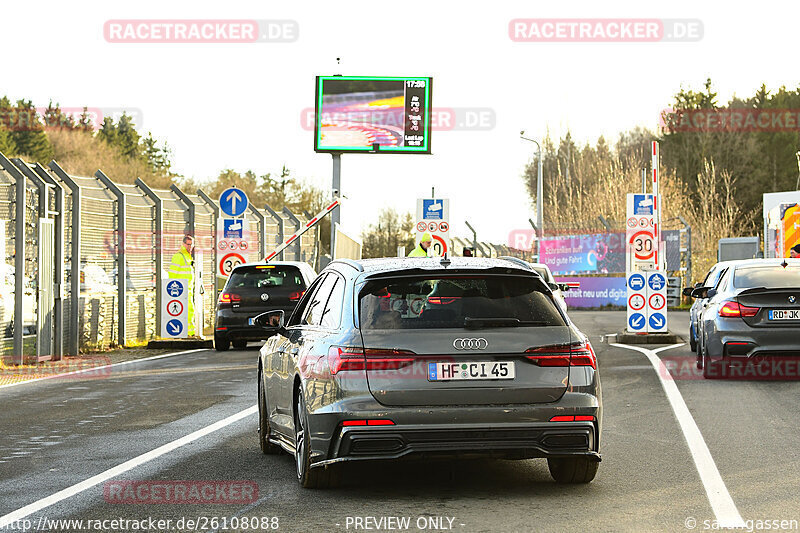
pixel 240 105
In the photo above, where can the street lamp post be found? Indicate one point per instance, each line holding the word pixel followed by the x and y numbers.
pixel 539 187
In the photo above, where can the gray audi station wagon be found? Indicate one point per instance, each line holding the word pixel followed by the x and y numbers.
pixel 393 358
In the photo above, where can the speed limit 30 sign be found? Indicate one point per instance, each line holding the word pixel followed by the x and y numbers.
pixel 228 262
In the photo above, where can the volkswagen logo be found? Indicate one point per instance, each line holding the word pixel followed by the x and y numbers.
pixel 792 299
pixel 470 344
pixel 264 297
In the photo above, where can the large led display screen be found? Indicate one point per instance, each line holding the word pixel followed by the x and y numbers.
pixel 372 114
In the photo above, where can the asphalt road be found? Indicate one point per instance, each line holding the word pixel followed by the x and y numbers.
pixel 58 435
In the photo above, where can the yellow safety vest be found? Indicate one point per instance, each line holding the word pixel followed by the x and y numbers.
pixel 181 267
pixel 419 251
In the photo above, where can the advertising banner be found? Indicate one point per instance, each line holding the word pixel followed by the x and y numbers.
pixel 594 292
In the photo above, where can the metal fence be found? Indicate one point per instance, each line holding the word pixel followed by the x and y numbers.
pixel 93 253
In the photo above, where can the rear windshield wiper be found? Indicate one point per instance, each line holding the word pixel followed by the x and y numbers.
pixel 478 323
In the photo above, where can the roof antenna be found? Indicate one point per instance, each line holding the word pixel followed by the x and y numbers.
pixel 445 262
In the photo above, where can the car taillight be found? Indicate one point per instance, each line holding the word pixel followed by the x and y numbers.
pixel 571 418
pixel 575 354
pixel 226 299
pixel 442 300
pixel 732 309
pixel 343 358
pixel 296 295
pixel 369 422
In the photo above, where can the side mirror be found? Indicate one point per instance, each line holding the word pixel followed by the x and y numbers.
pixel 553 286
pixel 688 291
pixel 271 320
pixel 564 287
pixel 711 293
pixel 699 292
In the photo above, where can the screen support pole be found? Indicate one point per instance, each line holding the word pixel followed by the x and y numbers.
pixel 336 186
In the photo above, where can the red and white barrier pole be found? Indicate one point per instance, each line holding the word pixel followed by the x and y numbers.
pixel 310 224
pixel 656 208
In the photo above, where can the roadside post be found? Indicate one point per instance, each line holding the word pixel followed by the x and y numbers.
pixel 233 237
pixel 433 216
pixel 174 315
pixel 645 259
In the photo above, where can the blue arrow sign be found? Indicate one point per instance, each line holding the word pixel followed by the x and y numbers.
pixel 656 282
pixel 233 201
pixel 175 288
pixel 657 321
pixel 636 321
pixel 636 282
pixel 174 327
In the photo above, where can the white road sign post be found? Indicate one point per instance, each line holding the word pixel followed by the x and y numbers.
pixel 233 237
pixel 645 259
pixel 433 216
pixel 233 244
pixel 175 297
pixel 656 302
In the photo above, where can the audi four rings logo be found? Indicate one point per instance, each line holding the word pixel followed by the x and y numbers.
pixel 470 344
pixel 792 299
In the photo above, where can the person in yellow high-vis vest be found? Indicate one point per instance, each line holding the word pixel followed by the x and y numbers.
pixel 422 248
pixel 182 267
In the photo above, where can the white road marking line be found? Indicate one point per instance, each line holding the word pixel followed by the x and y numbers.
pixel 718 496
pixel 96 368
pixel 77 488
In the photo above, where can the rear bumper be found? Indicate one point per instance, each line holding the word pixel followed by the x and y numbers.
pixel 234 326
pixel 517 441
pixel 734 339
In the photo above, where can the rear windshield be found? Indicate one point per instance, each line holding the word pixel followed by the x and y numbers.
pixel 766 276
pixel 456 302
pixel 265 276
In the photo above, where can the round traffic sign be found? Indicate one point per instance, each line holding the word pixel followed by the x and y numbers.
pixel 175 288
pixel 233 201
pixel 657 321
pixel 444 227
pixel 174 307
pixel 174 327
pixel 644 222
pixel 222 245
pixel 438 246
pixel 421 226
pixel 636 282
pixel 636 302
pixel 657 302
pixel 636 321
pixel 641 243
pixel 232 245
pixel 229 262
pixel 656 281
pixel 632 222
pixel 243 245
pixel 433 226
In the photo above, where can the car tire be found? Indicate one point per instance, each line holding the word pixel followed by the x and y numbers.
pixel 692 342
pixel 711 369
pixel 572 469
pixel 239 344
pixel 221 343
pixel 309 478
pixel 267 448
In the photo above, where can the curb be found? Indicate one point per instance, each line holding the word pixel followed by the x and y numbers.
pixel 179 344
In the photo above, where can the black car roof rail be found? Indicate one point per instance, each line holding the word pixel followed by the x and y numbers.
pixel 350 263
